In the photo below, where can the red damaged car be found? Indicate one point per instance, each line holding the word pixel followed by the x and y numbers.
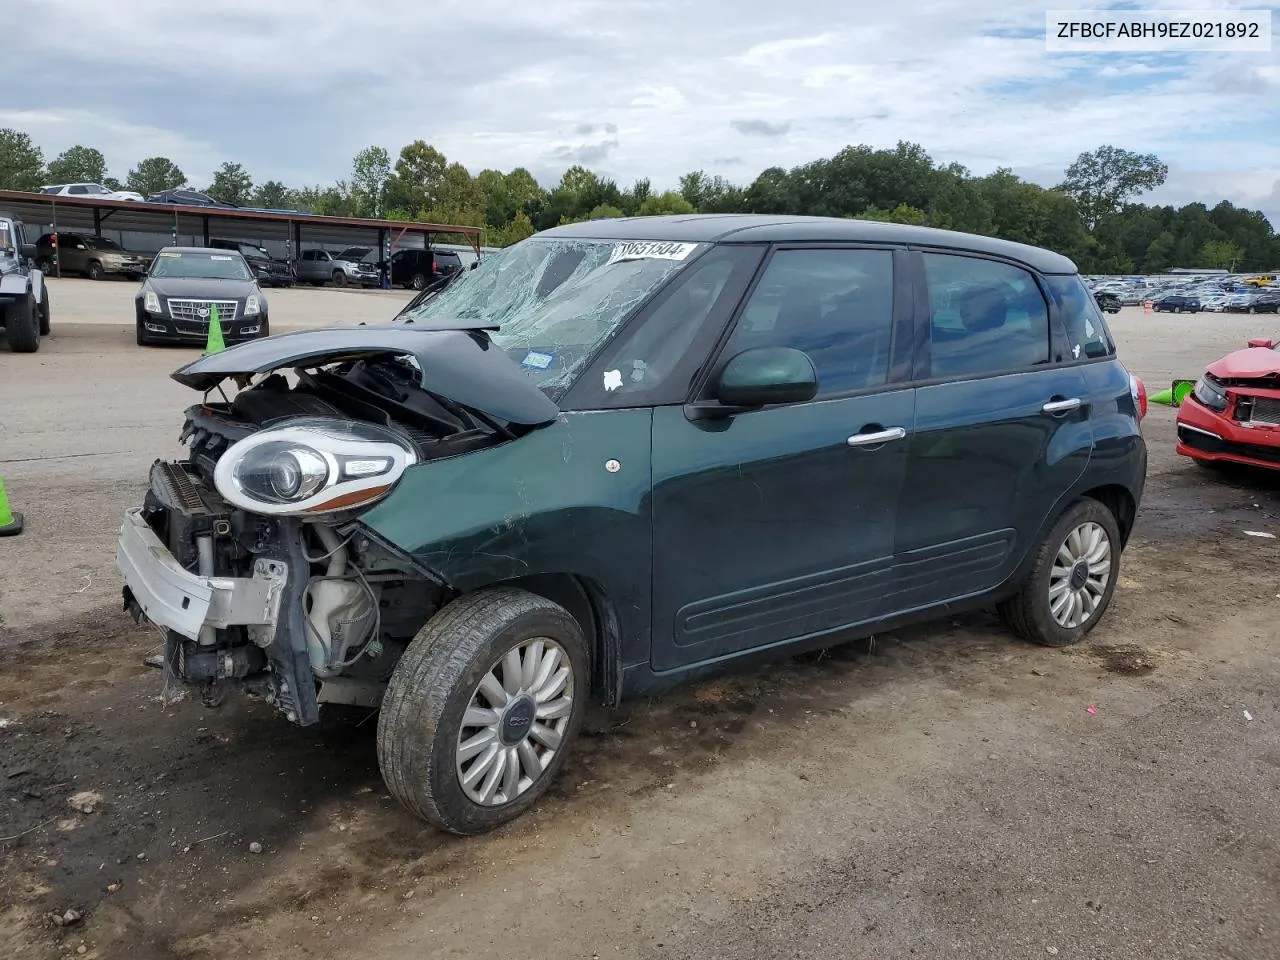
pixel 1233 415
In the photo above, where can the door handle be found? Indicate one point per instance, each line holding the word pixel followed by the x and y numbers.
pixel 1061 406
pixel 880 436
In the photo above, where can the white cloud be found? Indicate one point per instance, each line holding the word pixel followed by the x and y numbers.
pixel 293 89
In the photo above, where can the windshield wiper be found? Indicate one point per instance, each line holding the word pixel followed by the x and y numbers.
pixel 429 291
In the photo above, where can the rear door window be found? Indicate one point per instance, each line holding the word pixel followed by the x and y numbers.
pixel 985 317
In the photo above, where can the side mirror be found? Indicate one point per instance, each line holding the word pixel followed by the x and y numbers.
pixel 765 375
pixel 79 246
pixel 1262 342
pixel 29 251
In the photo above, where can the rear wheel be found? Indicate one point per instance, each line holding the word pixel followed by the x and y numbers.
pixel 483 708
pixel 22 325
pixel 419 281
pixel 1072 578
pixel 46 313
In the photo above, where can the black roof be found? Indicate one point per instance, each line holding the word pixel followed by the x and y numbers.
pixel 767 228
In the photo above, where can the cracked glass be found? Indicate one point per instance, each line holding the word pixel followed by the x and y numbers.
pixel 557 301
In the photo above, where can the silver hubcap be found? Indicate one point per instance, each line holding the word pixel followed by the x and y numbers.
pixel 1080 574
pixel 514 722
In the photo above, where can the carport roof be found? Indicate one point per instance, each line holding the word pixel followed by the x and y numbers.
pixel 39 207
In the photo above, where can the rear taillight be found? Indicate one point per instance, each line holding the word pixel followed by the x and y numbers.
pixel 1139 391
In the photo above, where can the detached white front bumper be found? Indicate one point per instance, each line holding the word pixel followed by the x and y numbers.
pixel 179 600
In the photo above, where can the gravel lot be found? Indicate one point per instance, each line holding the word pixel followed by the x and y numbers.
pixel 942 791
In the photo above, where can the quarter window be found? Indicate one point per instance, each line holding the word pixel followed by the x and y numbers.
pixel 985 317
pixel 1087 334
pixel 835 305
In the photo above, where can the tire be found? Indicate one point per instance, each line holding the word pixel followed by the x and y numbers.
pixel 1029 613
pixel 22 325
pixel 44 265
pixel 96 271
pixel 419 281
pixel 1253 309
pixel 1177 309
pixel 436 681
pixel 339 278
pixel 46 313
pixel 143 339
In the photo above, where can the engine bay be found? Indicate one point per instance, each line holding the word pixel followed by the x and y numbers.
pixel 349 607
pixel 384 392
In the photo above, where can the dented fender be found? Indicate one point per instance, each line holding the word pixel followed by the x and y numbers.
pixel 17 285
pixel 570 498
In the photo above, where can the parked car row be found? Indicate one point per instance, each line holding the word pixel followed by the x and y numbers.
pixel 1217 293
pixel 100 257
pixel 178 195
pixel 1259 301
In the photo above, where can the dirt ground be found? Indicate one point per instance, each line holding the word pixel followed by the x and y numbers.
pixel 942 791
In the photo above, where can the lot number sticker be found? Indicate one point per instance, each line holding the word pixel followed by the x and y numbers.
pixel 650 250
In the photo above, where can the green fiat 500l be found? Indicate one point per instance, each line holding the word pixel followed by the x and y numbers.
pixel 627 453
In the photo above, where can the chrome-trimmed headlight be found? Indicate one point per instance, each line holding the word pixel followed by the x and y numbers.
pixel 313 465
pixel 151 302
pixel 251 306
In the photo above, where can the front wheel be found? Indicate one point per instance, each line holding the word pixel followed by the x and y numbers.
pixel 482 709
pixel 1072 578
pixel 22 325
pixel 95 270
pixel 339 278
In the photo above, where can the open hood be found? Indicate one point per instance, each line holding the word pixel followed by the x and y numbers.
pixel 458 363
pixel 1247 364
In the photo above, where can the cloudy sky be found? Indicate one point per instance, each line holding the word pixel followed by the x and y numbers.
pixel 293 88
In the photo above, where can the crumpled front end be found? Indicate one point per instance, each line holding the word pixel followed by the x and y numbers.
pixel 226 588
pixel 249 555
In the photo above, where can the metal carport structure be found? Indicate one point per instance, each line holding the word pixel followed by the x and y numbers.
pixel 146 227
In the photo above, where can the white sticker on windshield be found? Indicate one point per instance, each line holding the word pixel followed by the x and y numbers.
pixel 1088 328
pixel 650 250
pixel 612 380
pixel 219 257
pixel 539 361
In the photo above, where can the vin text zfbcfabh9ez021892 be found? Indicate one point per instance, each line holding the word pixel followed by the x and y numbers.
pixel 627 453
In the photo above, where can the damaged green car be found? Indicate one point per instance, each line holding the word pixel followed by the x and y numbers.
pixel 626 453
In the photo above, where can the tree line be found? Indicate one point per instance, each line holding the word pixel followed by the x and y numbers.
pixel 1093 216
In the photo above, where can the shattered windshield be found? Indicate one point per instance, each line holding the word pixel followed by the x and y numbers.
pixel 557 301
